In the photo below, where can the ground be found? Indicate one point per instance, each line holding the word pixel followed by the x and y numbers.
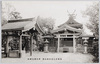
pixel 63 58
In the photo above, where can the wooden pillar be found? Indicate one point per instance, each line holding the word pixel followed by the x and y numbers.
pixel 7 48
pixel 20 45
pixel 53 42
pixel 74 44
pixel 31 45
pixel 58 44
pixel 81 41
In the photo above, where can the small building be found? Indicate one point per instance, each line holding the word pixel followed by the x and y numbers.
pixel 19 35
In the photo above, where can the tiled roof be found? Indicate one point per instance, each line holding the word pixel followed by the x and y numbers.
pixel 21 24
pixel 71 22
pixel 66 27
pixel 84 34
pixel 71 25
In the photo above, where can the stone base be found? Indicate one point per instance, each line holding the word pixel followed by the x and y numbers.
pixel 7 55
pixel 46 51
pixel 19 55
pixel 85 52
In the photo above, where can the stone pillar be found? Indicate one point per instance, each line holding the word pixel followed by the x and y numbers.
pixel 20 46
pixel 74 44
pixel 58 44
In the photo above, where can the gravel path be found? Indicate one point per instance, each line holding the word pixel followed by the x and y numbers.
pixel 38 57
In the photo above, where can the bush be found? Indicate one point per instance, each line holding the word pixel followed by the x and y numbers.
pixel 95 52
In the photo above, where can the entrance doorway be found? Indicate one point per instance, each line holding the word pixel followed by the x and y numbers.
pixel 26 44
pixel 66 44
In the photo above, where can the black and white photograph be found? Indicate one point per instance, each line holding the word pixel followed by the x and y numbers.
pixel 50 31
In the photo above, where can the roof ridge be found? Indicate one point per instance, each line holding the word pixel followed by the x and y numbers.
pixel 68 22
pixel 20 20
pixel 74 21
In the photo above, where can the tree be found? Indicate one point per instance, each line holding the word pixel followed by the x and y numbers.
pixel 47 24
pixel 92 12
pixel 15 15
pixel 9 13
pixel 6 8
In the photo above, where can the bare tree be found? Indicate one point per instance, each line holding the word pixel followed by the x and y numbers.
pixel 9 13
pixel 15 15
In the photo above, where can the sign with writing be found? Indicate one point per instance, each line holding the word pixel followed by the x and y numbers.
pixel 63 35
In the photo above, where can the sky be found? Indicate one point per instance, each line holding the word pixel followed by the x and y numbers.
pixel 54 9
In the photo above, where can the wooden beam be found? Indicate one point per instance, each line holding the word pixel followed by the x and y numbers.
pixel 20 45
pixel 58 45
pixel 64 37
pixel 7 48
pixel 25 35
pixel 31 45
pixel 69 34
pixel 74 44
pixel 11 35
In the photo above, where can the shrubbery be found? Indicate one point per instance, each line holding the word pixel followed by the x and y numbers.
pixel 95 52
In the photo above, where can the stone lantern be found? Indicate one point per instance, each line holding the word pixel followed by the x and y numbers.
pixel 85 44
pixel 46 46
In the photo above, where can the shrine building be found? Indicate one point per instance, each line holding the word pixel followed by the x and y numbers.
pixel 19 35
pixel 71 36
